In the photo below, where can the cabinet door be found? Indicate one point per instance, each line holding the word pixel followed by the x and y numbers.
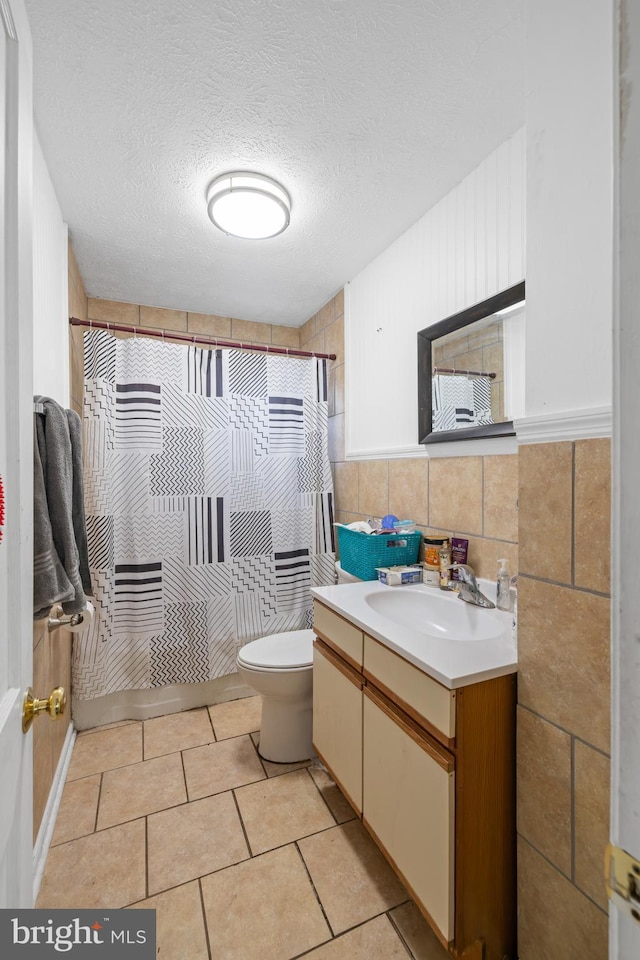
pixel 408 791
pixel 337 720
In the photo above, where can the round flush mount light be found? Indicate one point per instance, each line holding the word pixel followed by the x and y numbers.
pixel 248 205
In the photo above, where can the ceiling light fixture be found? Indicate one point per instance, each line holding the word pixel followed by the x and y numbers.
pixel 248 205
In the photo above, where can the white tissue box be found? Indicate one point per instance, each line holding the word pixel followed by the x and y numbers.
pixel 396 576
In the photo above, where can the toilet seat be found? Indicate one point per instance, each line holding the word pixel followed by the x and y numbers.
pixel 279 652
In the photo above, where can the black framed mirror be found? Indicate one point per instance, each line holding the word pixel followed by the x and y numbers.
pixel 471 370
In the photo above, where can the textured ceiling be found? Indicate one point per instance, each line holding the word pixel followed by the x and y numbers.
pixel 367 111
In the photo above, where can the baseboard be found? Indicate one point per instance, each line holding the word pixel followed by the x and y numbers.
pixel 45 833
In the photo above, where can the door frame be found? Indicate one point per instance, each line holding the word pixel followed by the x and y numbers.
pixel 624 933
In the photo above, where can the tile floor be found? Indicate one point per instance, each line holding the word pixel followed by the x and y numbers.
pixel 241 858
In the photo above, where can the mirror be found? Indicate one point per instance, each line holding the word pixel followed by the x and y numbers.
pixel 471 371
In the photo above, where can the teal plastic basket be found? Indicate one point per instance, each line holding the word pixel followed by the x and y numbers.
pixel 361 553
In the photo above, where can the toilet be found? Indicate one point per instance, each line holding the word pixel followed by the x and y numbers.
pixel 280 668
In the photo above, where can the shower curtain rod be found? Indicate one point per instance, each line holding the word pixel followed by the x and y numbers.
pixel 194 338
pixel 464 373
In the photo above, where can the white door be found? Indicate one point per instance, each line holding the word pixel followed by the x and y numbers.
pixel 16 459
pixel 625 754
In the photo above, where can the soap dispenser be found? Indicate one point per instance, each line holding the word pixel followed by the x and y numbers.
pixel 503 586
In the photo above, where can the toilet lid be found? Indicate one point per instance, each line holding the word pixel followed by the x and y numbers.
pixel 284 651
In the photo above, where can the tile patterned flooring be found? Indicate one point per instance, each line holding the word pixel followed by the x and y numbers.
pixel 241 858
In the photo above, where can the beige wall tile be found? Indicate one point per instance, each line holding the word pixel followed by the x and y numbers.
pixel 336 438
pixel 285 336
pixel 593 515
pixel 331 392
pixel 484 556
pixel 307 331
pixel 545 500
pixel 455 494
pixel 209 325
pixel 163 319
pixel 501 497
pixel 76 363
pixel 544 788
pixel 493 360
pixel 339 303
pixel 251 331
pixel 373 487
pixel 317 344
pixel 409 489
pixel 113 311
pixel 563 658
pixel 325 316
pixel 335 340
pixel 345 479
pixel 338 373
pixel 592 794
pixel 555 920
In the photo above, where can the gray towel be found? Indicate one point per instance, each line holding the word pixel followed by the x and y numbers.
pixel 77 501
pixel 50 582
pixel 54 445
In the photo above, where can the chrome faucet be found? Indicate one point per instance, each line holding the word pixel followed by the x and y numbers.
pixel 469 591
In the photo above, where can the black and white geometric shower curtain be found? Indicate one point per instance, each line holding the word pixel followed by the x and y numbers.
pixel 209 504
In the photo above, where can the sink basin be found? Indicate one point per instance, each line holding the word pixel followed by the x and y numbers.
pixel 436 615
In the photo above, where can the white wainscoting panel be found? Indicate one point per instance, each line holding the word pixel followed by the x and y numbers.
pixel 468 247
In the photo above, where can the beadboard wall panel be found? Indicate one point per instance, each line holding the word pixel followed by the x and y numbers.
pixel 465 249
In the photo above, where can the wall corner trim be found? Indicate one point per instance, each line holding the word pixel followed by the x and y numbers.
pixel 565 425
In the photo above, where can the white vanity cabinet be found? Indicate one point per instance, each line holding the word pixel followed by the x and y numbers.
pixel 431 771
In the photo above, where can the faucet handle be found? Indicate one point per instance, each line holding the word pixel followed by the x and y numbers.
pixel 467 573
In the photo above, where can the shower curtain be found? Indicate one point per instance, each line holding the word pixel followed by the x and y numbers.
pixel 460 401
pixel 209 506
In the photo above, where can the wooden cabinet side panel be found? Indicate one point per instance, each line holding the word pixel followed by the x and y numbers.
pixel 409 806
pixel 337 724
pixel 485 817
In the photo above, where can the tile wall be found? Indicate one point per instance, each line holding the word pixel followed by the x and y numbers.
pixel 564 699
pixel 547 509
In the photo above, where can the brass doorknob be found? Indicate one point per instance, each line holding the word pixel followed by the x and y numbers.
pixel 54 705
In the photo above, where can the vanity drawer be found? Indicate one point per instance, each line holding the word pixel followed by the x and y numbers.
pixel 338 633
pixel 419 695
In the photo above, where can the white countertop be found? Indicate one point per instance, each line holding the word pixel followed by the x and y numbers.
pixel 454 662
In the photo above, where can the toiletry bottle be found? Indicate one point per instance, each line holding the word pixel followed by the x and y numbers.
pixel 444 555
pixel 503 587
